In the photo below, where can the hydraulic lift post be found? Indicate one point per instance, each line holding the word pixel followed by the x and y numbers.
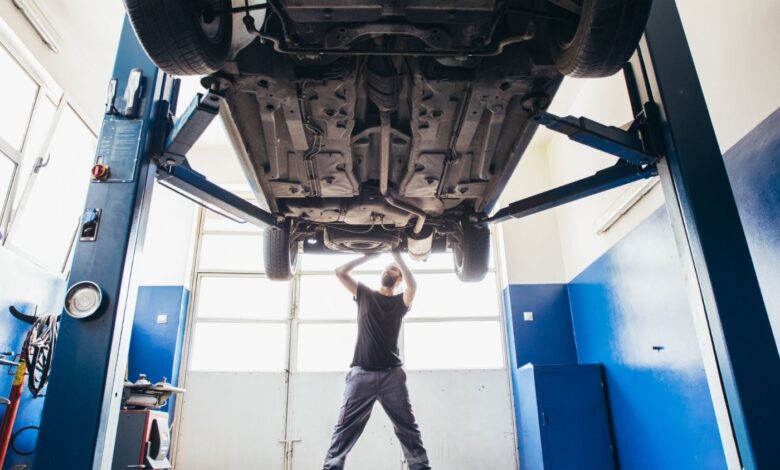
pixel 672 137
pixel 711 240
pixel 139 141
pixel 81 410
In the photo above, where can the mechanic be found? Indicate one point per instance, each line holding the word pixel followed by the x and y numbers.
pixel 377 371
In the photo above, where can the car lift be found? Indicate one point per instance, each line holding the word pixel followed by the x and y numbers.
pixel 672 136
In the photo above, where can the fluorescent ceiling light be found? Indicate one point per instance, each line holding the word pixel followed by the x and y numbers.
pixel 37 18
pixel 624 203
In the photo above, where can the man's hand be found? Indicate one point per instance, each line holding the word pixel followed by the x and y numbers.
pixel 411 282
pixel 342 272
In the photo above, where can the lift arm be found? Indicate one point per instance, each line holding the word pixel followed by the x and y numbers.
pixel 623 144
pixel 606 179
pixel 182 179
pixel 636 161
pixel 174 172
pixel 190 126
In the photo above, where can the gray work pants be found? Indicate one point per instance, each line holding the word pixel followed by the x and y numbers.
pixel 363 388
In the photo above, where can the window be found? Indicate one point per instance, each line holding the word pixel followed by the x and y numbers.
pixel 451 325
pixel 18 104
pixel 48 218
pixel 453 345
pixel 7 169
pixel 237 347
pixel 41 126
pixel 324 298
pixel 325 347
pixel 477 299
pixel 242 298
pixel 45 154
pixel 15 117
pixel 241 318
pixel 235 252
pixel 245 322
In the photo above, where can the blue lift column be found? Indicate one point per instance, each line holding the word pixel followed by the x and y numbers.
pixel 80 414
pixel 710 236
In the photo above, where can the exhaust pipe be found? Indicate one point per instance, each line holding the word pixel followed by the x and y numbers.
pixel 384 153
pixel 421 215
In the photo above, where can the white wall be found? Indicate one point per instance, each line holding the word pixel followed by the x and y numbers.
pixel 735 49
pixel 531 243
pixel 168 247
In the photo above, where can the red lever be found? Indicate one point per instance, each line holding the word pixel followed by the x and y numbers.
pixel 99 172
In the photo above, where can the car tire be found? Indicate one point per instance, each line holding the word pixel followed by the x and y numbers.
pixel 280 255
pixel 603 40
pixel 471 252
pixel 177 39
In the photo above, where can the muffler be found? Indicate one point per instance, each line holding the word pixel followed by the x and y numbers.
pixel 420 245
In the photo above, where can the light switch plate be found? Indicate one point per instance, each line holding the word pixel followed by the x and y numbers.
pixel 528 316
pixel 162 319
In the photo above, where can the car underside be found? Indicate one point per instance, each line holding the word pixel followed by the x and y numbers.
pixel 369 125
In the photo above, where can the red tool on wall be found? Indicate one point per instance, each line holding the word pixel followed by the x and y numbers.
pixel 35 361
pixel 12 408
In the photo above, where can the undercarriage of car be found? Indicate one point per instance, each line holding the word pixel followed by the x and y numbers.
pixel 369 125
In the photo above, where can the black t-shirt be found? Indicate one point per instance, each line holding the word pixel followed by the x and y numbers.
pixel 379 324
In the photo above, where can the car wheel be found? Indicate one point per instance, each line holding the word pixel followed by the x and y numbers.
pixel 178 39
pixel 603 39
pixel 471 251
pixel 280 255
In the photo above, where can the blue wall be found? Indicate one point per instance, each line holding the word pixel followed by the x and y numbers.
pixel 631 313
pixel 155 349
pixel 753 165
pixel 23 285
pixel 547 340
pixel 662 413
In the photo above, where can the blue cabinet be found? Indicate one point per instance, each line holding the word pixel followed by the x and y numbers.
pixel 563 420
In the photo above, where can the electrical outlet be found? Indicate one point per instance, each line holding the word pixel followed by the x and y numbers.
pixel 162 319
pixel 528 316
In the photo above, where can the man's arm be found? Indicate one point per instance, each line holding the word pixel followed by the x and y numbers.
pixel 411 282
pixel 342 272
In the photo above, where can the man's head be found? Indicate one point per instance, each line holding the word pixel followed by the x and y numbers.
pixel 392 276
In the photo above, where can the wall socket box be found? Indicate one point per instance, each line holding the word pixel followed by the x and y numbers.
pixel 528 316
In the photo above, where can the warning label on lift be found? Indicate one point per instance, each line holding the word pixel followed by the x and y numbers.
pixel 118 147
